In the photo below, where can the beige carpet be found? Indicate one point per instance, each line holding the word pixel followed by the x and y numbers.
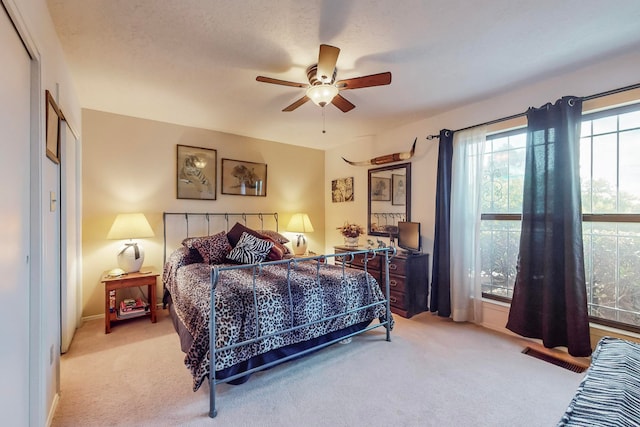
pixel 433 373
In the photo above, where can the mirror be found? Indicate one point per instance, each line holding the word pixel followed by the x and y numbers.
pixel 389 198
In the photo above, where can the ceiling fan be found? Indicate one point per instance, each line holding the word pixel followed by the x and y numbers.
pixel 323 87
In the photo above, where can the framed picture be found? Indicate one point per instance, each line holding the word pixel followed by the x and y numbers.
pixel 244 178
pixel 380 189
pixel 196 173
pixel 342 190
pixel 398 189
pixel 53 129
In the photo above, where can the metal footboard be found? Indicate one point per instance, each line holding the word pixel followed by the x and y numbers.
pixel 343 258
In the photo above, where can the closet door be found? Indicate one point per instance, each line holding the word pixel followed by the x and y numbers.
pixel 70 291
pixel 14 224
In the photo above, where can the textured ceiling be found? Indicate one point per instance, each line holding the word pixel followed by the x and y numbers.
pixel 194 62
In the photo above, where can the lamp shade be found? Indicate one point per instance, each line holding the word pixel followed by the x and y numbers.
pixel 130 226
pixel 300 223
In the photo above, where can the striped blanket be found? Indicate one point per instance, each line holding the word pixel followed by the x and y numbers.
pixel 609 394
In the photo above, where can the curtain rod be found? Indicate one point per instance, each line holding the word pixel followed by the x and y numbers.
pixel 515 116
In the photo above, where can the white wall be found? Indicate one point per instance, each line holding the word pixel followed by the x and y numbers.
pixel 615 72
pixel 49 72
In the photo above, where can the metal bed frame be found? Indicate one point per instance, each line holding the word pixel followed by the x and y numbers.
pixel 343 259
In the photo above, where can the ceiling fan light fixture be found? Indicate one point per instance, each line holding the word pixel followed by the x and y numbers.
pixel 322 94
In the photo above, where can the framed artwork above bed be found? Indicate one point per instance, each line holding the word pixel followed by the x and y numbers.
pixel 244 178
pixel 196 173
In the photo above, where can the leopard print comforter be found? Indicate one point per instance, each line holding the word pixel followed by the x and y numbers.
pixel 313 297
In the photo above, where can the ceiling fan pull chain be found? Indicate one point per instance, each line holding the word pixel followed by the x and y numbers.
pixel 323 121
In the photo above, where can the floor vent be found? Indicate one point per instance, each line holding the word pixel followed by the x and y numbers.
pixel 551 359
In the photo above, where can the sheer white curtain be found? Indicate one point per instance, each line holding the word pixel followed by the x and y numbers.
pixel 466 179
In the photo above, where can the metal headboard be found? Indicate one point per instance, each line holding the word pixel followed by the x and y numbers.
pixel 227 217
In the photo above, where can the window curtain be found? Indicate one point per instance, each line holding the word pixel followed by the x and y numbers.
pixel 549 297
pixel 466 169
pixel 440 300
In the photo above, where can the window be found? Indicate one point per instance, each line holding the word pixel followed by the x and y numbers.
pixel 610 179
pixel 502 183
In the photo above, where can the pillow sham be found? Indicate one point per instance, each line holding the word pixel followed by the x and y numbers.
pixel 278 250
pixel 275 236
pixel 236 232
pixel 250 249
pixel 213 249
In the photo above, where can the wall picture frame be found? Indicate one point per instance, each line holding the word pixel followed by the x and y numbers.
pixel 380 189
pixel 196 172
pixel 342 190
pixel 398 189
pixel 52 138
pixel 242 178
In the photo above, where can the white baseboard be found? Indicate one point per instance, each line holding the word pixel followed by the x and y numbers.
pixel 52 410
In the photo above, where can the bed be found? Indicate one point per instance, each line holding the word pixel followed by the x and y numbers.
pixel 270 307
pixel 609 394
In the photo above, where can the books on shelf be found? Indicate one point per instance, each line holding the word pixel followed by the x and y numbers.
pixel 132 307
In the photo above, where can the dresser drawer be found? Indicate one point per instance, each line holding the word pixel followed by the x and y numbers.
pixel 397 283
pixel 372 264
pixel 398 300
pixel 398 266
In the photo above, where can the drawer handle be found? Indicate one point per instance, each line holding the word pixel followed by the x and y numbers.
pixel 393 267
pixel 392 299
pixel 393 283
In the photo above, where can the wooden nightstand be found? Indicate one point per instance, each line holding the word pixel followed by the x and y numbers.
pixel 146 277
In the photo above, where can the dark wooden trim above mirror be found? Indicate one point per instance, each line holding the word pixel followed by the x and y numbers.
pixel 384 208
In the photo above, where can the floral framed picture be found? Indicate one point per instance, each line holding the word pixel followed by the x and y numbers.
pixel 342 190
pixel 53 117
pixel 196 173
pixel 380 189
pixel 398 189
pixel 242 178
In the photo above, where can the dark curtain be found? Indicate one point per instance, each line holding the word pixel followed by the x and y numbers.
pixel 549 296
pixel 440 300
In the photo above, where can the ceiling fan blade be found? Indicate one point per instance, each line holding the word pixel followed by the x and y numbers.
pixel 342 103
pixel 327 62
pixel 296 104
pixel 365 81
pixel 280 82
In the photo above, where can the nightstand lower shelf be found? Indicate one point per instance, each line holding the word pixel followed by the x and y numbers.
pixel 146 277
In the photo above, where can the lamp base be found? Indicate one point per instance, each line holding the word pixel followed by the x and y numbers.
pixel 300 245
pixel 127 257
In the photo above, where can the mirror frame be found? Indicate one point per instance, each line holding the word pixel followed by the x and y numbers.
pixel 407 211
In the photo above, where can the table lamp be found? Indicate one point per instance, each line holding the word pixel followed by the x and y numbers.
pixel 130 226
pixel 300 224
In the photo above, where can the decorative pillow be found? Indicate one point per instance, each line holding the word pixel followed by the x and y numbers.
pixel 212 249
pixel 274 235
pixel 250 249
pixel 236 232
pixel 277 251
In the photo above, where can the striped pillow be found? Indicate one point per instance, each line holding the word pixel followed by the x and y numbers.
pixel 250 249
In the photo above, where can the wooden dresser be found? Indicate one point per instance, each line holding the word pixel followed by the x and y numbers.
pixel 408 279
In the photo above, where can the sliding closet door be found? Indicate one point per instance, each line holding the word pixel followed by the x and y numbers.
pixel 70 291
pixel 15 117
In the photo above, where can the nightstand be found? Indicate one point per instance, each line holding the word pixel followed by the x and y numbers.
pixel 147 276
